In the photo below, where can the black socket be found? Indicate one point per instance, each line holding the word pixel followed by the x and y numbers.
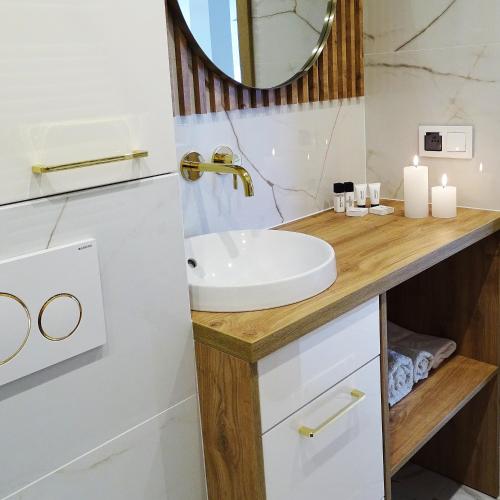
pixel 338 188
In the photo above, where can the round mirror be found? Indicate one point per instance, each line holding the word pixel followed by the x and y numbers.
pixel 260 43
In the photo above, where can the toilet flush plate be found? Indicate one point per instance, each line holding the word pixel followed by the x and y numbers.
pixel 51 308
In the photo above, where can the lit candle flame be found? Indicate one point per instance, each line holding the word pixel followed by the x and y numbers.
pixel 481 167
pixel 444 180
pixel 416 161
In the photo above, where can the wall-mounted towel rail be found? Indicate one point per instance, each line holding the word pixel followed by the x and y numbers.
pixel 45 169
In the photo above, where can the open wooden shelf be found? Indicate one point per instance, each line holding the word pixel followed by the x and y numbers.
pixel 432 403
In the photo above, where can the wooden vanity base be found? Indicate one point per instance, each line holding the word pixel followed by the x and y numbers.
pixel 438 277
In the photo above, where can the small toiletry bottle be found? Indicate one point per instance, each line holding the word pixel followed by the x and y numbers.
pixel 360 192
pixel 338 197
pixel 374 189
pixel 349 195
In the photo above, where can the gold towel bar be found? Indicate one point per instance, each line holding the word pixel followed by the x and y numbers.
pixel 45 169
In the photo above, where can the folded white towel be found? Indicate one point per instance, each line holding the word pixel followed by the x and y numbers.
pixel 422 360
pixel 440 348
pixel 400 376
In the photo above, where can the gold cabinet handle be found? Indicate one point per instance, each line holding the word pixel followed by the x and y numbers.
pixel 311 432
pixel 45 169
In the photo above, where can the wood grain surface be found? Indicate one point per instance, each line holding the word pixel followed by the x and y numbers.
pixel 374 253
pixel 384 396
pixel 230 416
pixel 432 403
pixel 459 298
pixel 198 88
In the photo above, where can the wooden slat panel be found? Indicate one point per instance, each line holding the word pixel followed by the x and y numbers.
pixel 338 73
pixel 173 62
pixel 200 98
pixel 342 47
pixel 184 80
pixel 323 74
pixel 360 54
pixel 303 86
pixel 333 70
pixel 351 50
pixel 314 83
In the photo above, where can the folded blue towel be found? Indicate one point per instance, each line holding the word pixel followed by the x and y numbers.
pixel 400 376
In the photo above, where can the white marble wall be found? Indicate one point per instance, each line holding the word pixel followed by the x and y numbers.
pixel 294 154
pixel 433 62
pixel 119 422
pixel 284 34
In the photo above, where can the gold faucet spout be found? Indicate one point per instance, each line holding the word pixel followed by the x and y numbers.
pixel 193 166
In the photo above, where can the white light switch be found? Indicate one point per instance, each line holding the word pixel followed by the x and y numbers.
pixel 457 141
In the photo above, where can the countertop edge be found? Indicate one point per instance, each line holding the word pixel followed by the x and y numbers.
pixel 252 352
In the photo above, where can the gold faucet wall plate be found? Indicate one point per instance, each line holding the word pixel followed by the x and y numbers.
pixel 61 287
pixel 188 160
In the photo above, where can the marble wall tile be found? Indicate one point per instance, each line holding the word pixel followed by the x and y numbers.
pixel 451 85
pixel 294 153
pixel 147 364
pixel 156 460
pixel 284 34
pixel 396 25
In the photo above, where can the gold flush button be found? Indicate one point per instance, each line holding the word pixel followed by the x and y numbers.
pixel 15 326
pixel 60 317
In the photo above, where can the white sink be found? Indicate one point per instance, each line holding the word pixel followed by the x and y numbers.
pixel 251 270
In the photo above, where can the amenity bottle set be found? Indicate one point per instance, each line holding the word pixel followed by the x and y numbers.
pixel 350 198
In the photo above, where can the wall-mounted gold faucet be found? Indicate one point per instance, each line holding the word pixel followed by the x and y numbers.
pixel 223 162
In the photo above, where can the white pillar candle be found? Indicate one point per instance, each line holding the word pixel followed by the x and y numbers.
pixel 444 200
pixel 416 190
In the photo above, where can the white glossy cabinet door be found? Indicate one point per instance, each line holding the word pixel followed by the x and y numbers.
pixel 82 80
pixel 299 372
pixel 345 460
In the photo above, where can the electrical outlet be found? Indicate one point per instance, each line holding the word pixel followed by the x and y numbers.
pixel 433 141
pixel 446 141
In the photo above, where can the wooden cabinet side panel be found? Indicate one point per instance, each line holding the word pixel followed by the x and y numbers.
pixel 230 415
pixel 384 391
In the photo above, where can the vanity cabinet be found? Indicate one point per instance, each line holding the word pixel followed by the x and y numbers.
pixel 269 379
pixel 331 377
pixel 82 81
pixel 328 379
pixel 345 459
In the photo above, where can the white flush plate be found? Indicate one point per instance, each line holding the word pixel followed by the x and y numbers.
pixel 457 141
pixel 50 308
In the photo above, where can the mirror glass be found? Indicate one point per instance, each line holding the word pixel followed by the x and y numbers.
pixel 260 43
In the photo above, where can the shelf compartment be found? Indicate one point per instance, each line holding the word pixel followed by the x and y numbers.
pixel 433 403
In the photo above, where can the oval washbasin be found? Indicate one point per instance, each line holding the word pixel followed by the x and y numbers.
pixel 256 269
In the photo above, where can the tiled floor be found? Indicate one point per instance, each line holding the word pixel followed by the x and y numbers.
pixel 415 483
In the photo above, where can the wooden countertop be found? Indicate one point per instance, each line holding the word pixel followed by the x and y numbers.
pixel 374 253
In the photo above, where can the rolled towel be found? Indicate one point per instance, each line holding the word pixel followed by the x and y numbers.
pixel 400 376
pixel 440 348
pixel 422 361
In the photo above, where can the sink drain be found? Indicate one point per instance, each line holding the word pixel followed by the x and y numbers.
pixel 192 263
